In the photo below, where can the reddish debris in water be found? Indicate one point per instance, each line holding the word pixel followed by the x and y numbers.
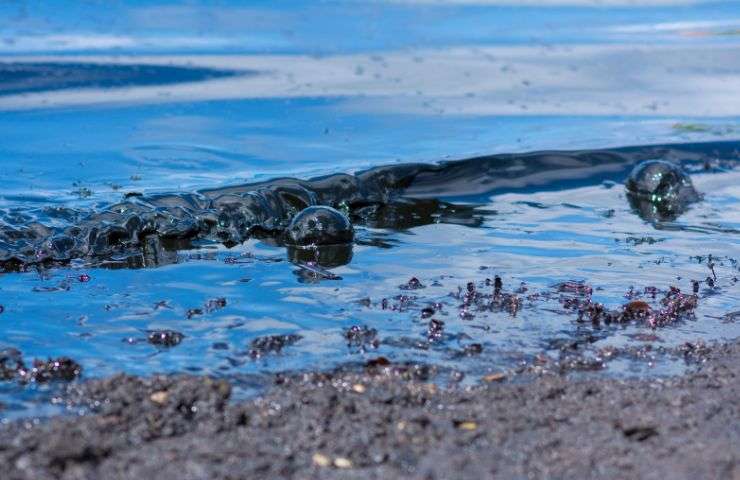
pixel 694 352
pixel 361 336
pixel 377 362
pixel 631 293
pixel 597 313
pixel 404 301
pixel 165 338
pixel 710 264
pixel 261 346
pixel 473 349
pixel 651 291
pixel 580 301
pixel 13 367
pixel 573 287
pixel 412 284
pixel 210 306
pixel 473 299
pixel 84 278
pixel 192 312
pixel 435 329
pixel 10 362
pixel 637 310
pixel 471 294
pixel 645 337
pixel 465 313
pixel 498 284
pixel 62 368
pixel 215 304
pixel 511 303
pixel 675 306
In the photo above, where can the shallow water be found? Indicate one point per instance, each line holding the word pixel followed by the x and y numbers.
pixel 96 105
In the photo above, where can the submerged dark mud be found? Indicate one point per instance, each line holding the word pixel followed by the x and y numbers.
pixel 386 421
pixel 28 77
pixel 145 230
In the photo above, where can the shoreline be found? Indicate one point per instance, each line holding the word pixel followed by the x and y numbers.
pixel 387 422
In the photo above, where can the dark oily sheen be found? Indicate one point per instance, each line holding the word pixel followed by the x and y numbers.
pixel 327 256
pixel 319 225
pixel 148 230
pixel 660 190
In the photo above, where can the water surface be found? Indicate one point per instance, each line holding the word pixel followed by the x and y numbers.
pixel 146 98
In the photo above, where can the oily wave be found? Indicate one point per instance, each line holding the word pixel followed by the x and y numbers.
pixel 146 230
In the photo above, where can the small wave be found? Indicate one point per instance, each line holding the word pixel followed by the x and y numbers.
pixel 144 230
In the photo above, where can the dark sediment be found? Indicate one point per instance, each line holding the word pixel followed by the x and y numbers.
pixel 147 230
pixel 387 422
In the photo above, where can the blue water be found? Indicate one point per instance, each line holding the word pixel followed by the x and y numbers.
pixel 309 88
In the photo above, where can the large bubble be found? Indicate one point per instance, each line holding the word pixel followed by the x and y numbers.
pixel 319 225
pixel 660 191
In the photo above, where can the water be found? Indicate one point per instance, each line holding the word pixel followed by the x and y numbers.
pixel 148 98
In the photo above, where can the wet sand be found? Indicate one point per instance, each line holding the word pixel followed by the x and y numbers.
pixel 388 421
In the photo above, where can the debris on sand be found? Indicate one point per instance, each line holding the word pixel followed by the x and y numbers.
pixel 321 425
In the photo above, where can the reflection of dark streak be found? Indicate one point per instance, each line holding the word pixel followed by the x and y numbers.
pixel 145 230
pixel 29 77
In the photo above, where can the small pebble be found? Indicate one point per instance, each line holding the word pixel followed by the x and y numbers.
pixel 159 398
pixel 494 377
pixel 468 425
pixel 341 462
pixel 321 460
